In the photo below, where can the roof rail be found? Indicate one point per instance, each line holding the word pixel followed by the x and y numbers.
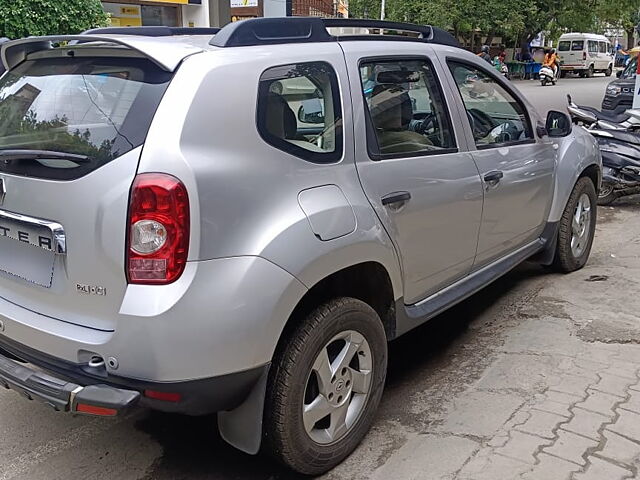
pixel 160 31
pixel 283 30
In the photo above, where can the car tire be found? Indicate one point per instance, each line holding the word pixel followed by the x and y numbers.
pixel 577 227
pixel 608 71
pixel 590 71
pixel 563 73
pixel 607 195
pixel 295 385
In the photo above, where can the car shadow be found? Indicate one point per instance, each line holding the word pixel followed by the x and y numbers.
pixel 193 449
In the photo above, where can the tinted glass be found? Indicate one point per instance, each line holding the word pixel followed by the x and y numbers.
pixel 406 107
pixel 299 111
pixel 96 107
pixel 564 46
pixel 495 115
pixel 577 45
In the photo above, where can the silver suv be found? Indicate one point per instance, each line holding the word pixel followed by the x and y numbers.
pixel 240 222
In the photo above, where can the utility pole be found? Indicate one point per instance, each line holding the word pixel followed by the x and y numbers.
pixel 382 5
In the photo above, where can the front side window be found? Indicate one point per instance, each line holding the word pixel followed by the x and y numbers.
pixel 631 69
pixel 577 45
pixel 496 117
pixel 406 108
pixel 299 111
pixel 564 46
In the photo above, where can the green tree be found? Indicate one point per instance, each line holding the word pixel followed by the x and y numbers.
pixel 22 18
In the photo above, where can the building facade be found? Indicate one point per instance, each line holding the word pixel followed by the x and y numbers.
pixel 172 13
pixel 242 9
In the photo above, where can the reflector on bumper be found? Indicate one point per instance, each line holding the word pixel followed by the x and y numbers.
pixel 64 396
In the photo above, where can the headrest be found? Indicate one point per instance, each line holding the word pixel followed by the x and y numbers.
pixel 281 121
pixel 391 107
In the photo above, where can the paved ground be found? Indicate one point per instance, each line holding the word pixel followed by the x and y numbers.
pixel 537 377
pixel 585 91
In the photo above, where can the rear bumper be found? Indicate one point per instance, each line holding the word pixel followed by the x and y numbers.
pixel 66 385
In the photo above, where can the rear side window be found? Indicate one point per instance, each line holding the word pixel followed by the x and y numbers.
pixel 593 46
pixel 577 45
pixel 299 111
pixel 98 108
pixel 564 46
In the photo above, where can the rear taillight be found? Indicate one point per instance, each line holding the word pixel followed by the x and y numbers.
pixel 158 239
pixel 584 55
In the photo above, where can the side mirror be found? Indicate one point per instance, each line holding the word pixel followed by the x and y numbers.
pixel 311 111
pixel 558 124
pixel 619 73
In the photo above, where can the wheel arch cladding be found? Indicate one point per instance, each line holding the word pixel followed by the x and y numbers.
pixel 367 281
pixel 578 156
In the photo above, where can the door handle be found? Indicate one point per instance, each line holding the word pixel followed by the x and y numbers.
pixel 493 177
pixel 396 197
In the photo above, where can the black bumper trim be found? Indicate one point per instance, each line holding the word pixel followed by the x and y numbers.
pixel 59 394
pixel 198 397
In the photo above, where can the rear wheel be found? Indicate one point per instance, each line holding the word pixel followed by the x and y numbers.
pixel 563 73
pixel 577 227
pixel 590 71
pixel 325 386
pixel 607 194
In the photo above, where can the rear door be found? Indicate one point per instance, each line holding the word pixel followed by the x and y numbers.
pixel 517 169
pixel 412 161
pixel 71 130
pixel 575 56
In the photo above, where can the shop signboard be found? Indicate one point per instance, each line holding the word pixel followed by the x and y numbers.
pixel 243 3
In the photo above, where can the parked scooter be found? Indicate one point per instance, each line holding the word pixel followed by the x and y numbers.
pixel 593 118
pixel 547 76
pixel 620 149
pixel 621 164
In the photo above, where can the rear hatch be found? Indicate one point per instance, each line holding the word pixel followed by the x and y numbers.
pixel 571 52
pixel 72 122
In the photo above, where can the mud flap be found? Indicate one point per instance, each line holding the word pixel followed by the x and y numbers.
pixel 242 426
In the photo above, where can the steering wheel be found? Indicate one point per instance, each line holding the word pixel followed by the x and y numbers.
pixel 481 123
pixel 421 126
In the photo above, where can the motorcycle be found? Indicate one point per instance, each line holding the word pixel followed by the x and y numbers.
pixel 621 164
pixel 547 76
pixel 620 149
pixel 592 118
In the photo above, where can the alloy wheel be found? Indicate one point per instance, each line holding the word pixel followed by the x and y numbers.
pixel 581 226
pixel 338 387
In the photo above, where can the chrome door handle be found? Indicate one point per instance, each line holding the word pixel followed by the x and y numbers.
pixel 396 198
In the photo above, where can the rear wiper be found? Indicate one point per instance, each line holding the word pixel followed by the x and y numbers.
pixel 9 155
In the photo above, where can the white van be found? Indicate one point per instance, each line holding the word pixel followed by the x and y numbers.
pixel 585 53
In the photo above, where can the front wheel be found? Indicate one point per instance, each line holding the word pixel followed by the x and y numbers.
pixel 577 227
pixel 325 386
pixel 608 71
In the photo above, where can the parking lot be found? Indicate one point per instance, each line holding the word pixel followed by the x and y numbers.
pixel 536 377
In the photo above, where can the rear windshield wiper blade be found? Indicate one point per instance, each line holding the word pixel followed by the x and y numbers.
pixel 10 155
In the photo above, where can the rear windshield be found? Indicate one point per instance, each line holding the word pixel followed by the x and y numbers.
pixel 96 107
pixel 577 45
pixel 564 46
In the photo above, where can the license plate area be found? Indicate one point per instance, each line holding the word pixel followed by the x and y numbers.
pixel 29 246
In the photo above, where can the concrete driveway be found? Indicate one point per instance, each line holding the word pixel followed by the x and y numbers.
pixel 536 377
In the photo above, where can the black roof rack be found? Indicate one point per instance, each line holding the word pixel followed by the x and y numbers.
pixel 282 30
pixel 160 31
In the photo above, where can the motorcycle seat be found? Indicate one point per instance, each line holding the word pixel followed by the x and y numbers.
pixel 607 117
